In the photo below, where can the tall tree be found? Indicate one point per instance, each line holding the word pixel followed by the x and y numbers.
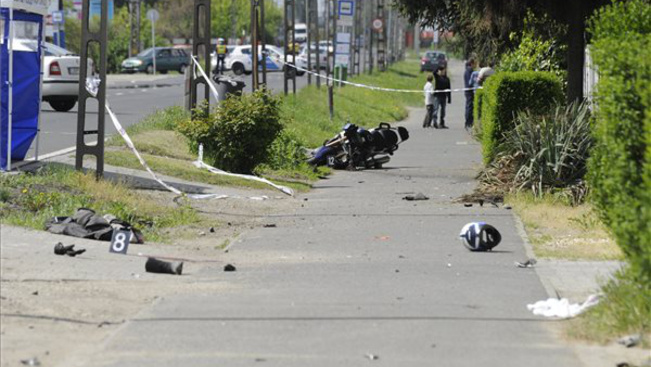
pixel 497 18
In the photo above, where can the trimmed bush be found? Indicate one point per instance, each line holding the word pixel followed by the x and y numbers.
pixel 506 94
pixel 238 133
pixel 620 164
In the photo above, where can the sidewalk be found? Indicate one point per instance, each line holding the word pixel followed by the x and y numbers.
pixel 351 274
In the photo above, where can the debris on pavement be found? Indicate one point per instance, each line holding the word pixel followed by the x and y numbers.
pixel 562 308
pixel 372 357
pixel 479 236
pixel 419 196
pixel 31 362
pixel 212 230
pixel 271 225
pixel 382 238
pixel 527 264
pixel 508 207
pixel 154 265
pixel 229 267
pixel 60 249
pixel 630 340
pixel 467 205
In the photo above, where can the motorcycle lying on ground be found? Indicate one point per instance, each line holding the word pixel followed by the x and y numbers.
pixel 357 148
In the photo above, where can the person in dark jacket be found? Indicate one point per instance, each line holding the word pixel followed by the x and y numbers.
pixel 441 98
pixel 470 94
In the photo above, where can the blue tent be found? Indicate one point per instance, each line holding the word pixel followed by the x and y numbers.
pixel 21 30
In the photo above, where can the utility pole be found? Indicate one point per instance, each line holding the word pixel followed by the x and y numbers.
pixel 381 37
pixel 371 33
pixel 357 30
pixel 331 30
pixel 290 37
pixel 233 21
pixel 316 41
pixel 263 41
pixel 254 45
pixel 417 39
pixel 134 27
pixel 308 23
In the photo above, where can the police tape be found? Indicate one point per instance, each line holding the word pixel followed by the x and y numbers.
pixel 206 78
pixel 200 164
pixel 92 86
pixel 372 87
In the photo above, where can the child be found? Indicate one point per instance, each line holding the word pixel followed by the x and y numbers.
pixel 429 101
pixel 440 98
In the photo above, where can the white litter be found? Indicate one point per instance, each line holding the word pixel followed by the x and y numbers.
pixel 562 308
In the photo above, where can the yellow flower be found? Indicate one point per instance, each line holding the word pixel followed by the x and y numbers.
pixel 24 191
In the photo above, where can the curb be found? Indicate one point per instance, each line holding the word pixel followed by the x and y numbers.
pixel 519 226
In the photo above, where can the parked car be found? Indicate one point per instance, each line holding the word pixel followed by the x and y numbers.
pixel 323 55
pixel 239 60
pixel 61 77
pixel 433 60
pixel 167 58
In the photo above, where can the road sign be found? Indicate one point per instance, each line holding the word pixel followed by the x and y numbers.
pixel 57 17
pixel 346 7
pixel 153 15
pixel 378 24
pixel 346 12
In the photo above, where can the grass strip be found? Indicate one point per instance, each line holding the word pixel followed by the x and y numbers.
pixel 29 199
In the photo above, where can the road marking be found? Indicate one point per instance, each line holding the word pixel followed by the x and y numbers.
pixel 119 94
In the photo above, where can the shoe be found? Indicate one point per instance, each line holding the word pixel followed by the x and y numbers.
pixel 443 127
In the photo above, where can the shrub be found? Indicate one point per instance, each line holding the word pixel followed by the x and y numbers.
pixel 620 166
pixel 238 133
pixel 550 151
pixel 505 94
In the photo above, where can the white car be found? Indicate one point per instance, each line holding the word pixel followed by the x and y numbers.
pixel 61 77
pixel 239 60
pixel 323 56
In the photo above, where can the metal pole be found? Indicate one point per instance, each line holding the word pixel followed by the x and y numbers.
pixel 293 46
pixel 10 108
pixel 153 43
pixel 100 38
pixel 40 91
pixel 308 41
pixel 371 32
pixel 286 36
pixel 330 30
pixel 261 37
pixel 200 42
pixel 318 48
pixel 254 45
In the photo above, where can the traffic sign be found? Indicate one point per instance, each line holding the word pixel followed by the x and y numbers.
pixel 153 15
pixel 378 24
pixel 57 17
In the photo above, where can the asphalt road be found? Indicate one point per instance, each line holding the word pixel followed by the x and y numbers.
pixel 132 97
pixel 358 276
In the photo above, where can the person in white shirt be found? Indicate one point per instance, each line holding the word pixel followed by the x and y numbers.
pixel 485 73
pixel 429 101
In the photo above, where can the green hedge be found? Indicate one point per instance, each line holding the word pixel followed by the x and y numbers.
pixel 507 93
pixel 479 93
pixel 620 166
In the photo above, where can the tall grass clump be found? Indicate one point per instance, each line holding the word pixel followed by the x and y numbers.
pixel 550 151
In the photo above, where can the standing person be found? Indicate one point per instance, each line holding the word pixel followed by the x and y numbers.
pixel 221 56
pixel 428 89
pixel 440 97
pixel 470 94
